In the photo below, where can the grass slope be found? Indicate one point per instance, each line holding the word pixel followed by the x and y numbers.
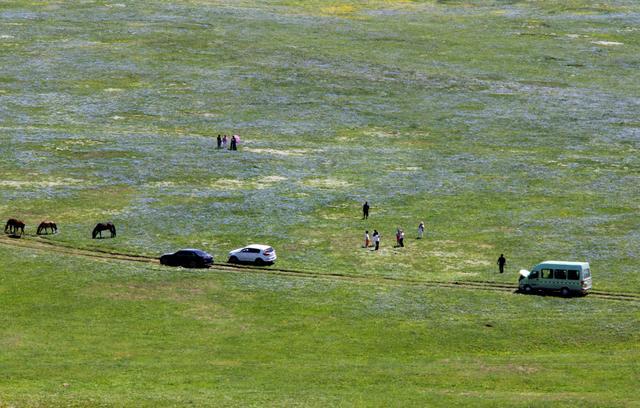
pixel 88 333
pixel 506 126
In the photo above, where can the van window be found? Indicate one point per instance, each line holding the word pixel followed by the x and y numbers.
pixel 586 273
pixel 533 275
pixel 573 274
pixel 560 273
pixel 547 273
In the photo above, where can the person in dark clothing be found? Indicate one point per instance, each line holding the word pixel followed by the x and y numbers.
pixel 219 142
pixel 365 210
pixel 232 145
pixel 501 262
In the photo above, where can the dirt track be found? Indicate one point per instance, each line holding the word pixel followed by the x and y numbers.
pixel 42 244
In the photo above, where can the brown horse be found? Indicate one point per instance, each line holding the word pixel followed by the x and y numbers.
pixel 45 225
pixel 13 226
pixel 103 227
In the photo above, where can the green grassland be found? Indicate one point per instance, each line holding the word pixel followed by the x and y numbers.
pixel 90 333
pixel 507 126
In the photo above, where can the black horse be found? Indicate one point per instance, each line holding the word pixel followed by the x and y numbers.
pixel 97 231
pixel 45 225
pixel 13 226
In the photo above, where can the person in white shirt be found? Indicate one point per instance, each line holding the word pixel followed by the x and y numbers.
pixel 376 239
pixel 420 230
pixel 367 242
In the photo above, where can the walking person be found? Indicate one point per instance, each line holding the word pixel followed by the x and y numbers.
pixel 224 141
pixel 401 240
pixel 376 239
pixel 219 140
pixel 501 262
pixel 398 238
pixel 421 230
pixel 367 242
pixel 365 210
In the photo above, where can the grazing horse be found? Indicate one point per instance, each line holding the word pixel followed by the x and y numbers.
pixel 103 227
pixel 13 226
pixel 45 225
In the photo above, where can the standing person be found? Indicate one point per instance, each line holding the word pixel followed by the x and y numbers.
pixel 401 240
pixel 219 140
pixel 376 239
pixel 420 229
pixel 501 262
pixel 365 210
pixel 224 141
pixel 366 239
pixel 397 237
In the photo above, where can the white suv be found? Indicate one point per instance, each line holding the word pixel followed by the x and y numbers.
pixel 257 254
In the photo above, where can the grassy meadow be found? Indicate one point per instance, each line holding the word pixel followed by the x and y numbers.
pixel 506 126
pixel 75 332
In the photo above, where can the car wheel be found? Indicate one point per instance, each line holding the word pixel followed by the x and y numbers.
pixel 233 259
pixel 193 264
pixel 527 289
pixel 565 292
pixel 259 261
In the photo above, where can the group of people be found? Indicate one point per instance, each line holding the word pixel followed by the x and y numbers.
pixel 368 242
pixel 231 141
pixel 376 234
pixel 400 237
pixel 376 239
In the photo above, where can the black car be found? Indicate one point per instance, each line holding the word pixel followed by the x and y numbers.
pixel 187 258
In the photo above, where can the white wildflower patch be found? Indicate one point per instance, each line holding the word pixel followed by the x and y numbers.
pixel 40 183
pixel 607 43
pixel 326 183
pixel 288 152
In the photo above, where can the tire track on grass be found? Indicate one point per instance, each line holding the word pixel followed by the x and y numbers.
pixel 42 244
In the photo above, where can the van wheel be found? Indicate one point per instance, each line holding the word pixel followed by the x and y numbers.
pixel 527 289
pixel 565 292
pixel 233 259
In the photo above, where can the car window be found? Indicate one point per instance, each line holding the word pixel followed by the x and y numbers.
pixel 560 273
pixel 254 250
pixel 573 274
pixel 246 250
pixel 547 273
pixel 586 273
pixel 533 275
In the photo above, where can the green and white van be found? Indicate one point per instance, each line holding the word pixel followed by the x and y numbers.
pixel 566 277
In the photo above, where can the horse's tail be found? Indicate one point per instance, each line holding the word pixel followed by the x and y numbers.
pixel 113 230
pixel 54 226
pixel 39 228
pixel 94 233
pixel 6 226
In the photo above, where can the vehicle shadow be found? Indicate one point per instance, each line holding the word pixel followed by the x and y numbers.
pixel 553 294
